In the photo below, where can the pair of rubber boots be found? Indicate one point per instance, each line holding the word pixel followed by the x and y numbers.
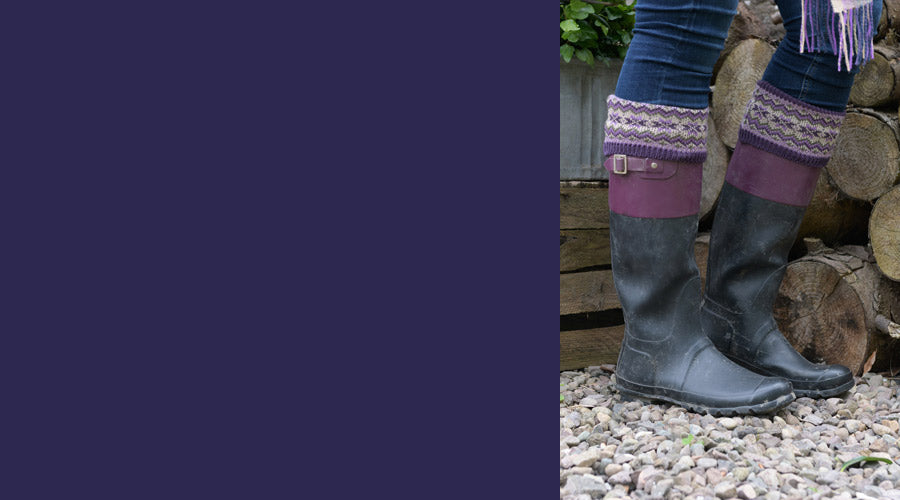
pixel 724 356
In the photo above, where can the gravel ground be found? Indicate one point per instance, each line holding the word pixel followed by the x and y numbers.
pixel 612 449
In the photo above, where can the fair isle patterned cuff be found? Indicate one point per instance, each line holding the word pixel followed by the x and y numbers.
pixel 788 127
pixel 655 131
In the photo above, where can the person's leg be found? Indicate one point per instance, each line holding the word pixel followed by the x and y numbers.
pixel 788 132
pixel 674 47
pixel 656 144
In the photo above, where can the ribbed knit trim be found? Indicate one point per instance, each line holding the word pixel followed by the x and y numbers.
pixel 655 131
pixel 788 127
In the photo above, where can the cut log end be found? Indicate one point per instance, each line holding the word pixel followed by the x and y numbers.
pixel 866 159
pixel 878 81
pixel 884 233
pixel 821 315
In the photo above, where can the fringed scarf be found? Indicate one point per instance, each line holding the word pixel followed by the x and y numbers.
pixel 843 27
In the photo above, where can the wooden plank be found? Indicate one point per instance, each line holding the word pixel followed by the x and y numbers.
pixel 582 248
pixel 587 292
pixel 597 346
pixel 583 207
pixel 592 291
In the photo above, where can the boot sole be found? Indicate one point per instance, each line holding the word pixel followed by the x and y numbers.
pixel 725 411
pixel 801 393
pixel 825 393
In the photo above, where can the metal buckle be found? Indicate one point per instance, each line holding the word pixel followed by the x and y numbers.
pixel 624 159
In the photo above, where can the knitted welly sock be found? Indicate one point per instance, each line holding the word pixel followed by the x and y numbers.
pixel 788 127
pixel 655 131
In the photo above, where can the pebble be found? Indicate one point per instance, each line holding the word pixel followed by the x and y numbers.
pixel 789 432
pixel 610 448
pixel 746 492
pixel 587 458
pixel 740 473
pixel 661 488
pixel 592 486
pixel 728 423
pixel 725 489
pixel 621 477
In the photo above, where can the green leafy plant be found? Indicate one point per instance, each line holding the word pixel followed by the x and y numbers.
pixel 593 29
pixel 857 460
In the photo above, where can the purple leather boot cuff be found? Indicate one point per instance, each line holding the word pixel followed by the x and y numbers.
pixel 650 188
pixel 770 176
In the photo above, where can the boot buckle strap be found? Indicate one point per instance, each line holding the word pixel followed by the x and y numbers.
pixel 620 160
pixel 622 164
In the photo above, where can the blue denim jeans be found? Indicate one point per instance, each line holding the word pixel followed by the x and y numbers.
pixel 676 43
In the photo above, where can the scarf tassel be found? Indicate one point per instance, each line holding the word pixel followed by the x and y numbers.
pixel 842 27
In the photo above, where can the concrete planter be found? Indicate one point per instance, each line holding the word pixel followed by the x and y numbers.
pixel 582 112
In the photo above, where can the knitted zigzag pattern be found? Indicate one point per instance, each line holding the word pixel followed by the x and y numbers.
pixel 655 131
pixel 788 127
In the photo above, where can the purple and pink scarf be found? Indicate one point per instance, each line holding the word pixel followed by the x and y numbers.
pixel 842 27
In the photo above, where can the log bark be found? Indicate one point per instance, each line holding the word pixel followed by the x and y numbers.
pixel 878 81
pixel 884 233
pixel 890 19
pixel 834 306
pixel 745 25
pixel 834 217
pixel 714 169
pixel 735 83
pixel 866 158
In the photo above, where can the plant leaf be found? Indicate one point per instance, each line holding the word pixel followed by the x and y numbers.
pixel 566 51
pixel 857 460
pixel 585 55
pixel 568 25
pixel 579 10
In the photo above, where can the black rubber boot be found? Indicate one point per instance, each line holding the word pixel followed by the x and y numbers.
pixel 748 251
pixel 655 159
pixel 665 355
pixel 783 143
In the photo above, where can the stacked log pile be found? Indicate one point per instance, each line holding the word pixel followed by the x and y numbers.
pixel 840 299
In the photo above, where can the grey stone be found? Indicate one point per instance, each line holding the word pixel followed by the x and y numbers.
pixel 725 489
pixel 621 477
pixel 705 463
pixel 743 431
pixel 613 469
pixel 740 473
pixel 770 478
pixel 661 488
pixel 746 492
pixel 573 419
pixel 590 485
pixel 587 458
pixel 647 478
pixel 683 463
pixel 590 401
pixel 813 419
pixel 827 476
pixel 728 423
